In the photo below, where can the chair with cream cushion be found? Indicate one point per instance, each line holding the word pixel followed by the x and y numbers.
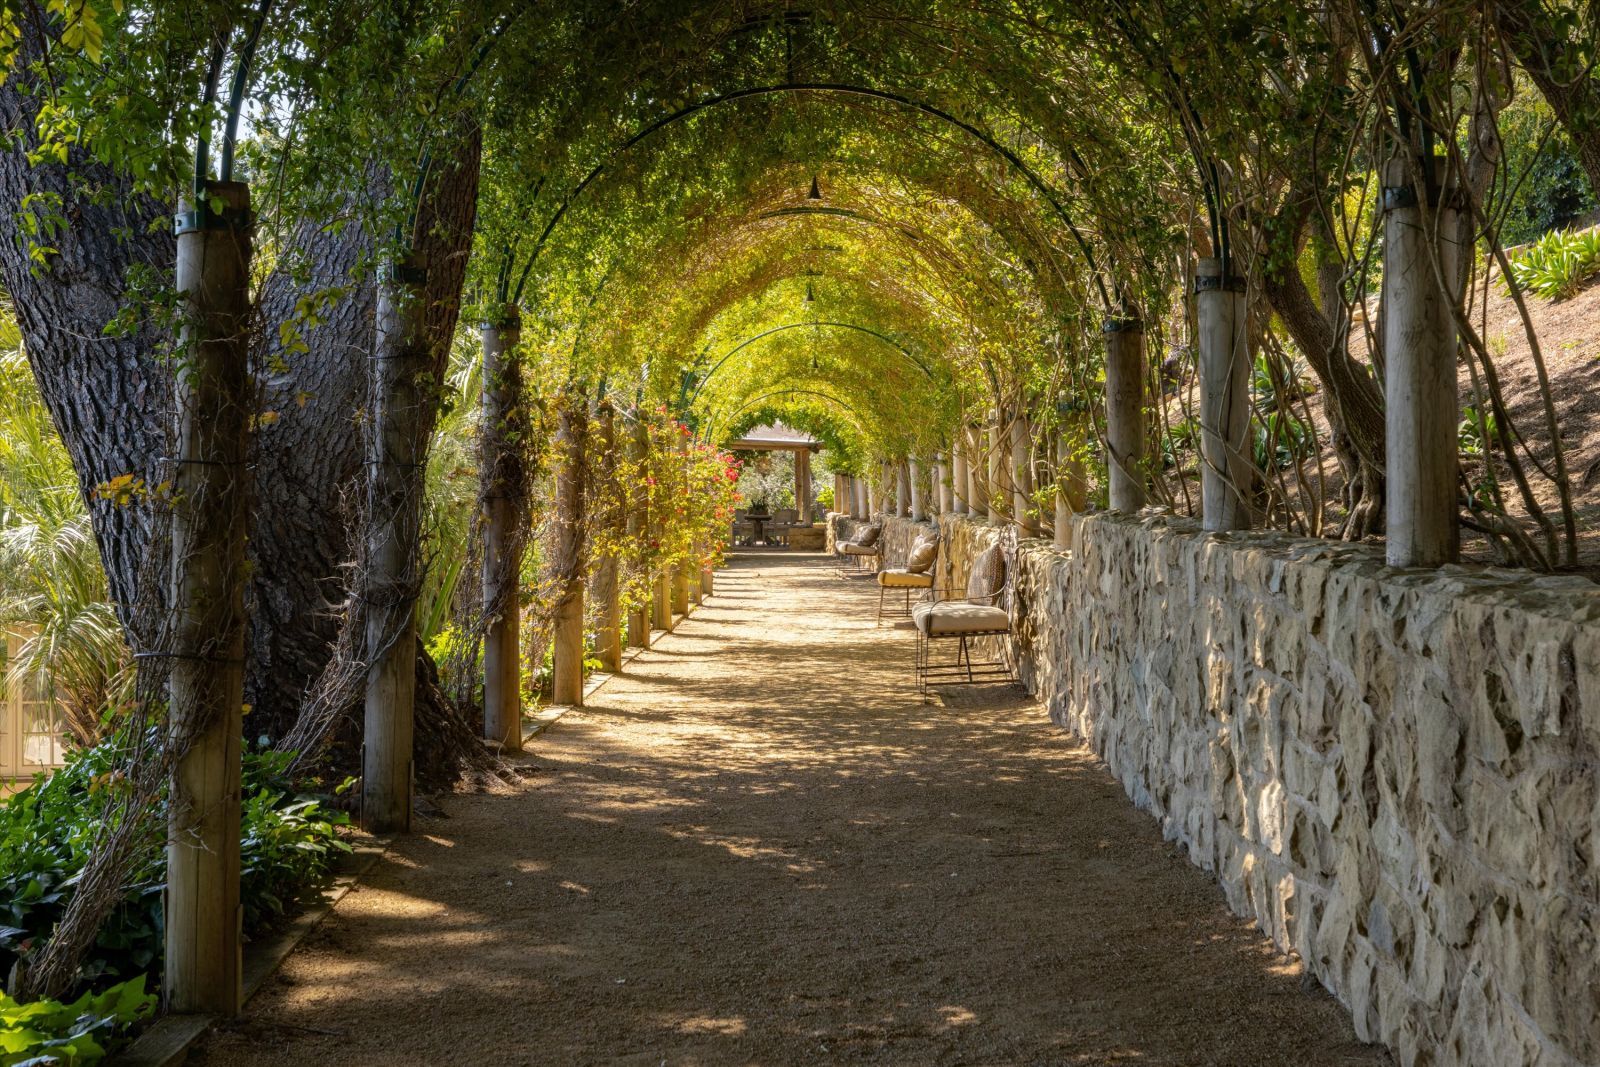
pixel 866 545
pixel 981 613
pixel 916 574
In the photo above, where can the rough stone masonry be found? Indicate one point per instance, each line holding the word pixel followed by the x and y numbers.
pixel 1392 771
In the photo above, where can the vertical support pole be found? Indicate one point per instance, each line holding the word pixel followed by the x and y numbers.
pixel 914 477
pixel 941 473
pixel 501 476
pixel 999 455
pixel 1125 413
pixel 206 687
pixel 1227 472
pixel 902 489
pixel 397 450
pixel 680 569
pixel 607 584
pixel 1072 481
pixel 802 486
pixel 566 685
pixel 1419 347
pixel 872 494
pixel 959 482
pixel 638 530
pixel 862 506
pixel 977 474
pixel 1022 474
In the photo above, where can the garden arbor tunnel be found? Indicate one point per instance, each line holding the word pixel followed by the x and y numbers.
pixel 934 237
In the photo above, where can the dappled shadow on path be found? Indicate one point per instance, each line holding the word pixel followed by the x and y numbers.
pixel 759 846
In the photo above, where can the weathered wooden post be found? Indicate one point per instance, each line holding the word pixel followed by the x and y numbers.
pixel 680 568
pixel 566 685
pixel 959 482
pixel 977 474
pixel 1419 345
pixel 999 460
pixel 1021 452
pixel 206 685
pixel 639 527
pixel 1072 481
pixel 1125 413
pixel 802 485
pixel 397 449
pixel 500 474
pixel 914 482
pixel 1227 471
pixel 942 482
pixel 607 584
pixel 862 499
pixel 902 489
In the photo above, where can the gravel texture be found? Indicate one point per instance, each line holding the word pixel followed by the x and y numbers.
pixel 758 846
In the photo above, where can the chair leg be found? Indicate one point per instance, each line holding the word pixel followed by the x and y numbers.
pixel 882 589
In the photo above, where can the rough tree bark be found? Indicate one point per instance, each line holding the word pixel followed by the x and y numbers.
pixel 108 396
pixel 1559 69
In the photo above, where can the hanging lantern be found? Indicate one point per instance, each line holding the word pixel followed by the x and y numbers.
pixel 816 190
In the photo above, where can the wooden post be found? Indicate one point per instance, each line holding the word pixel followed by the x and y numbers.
pixel 499 472
pixel 999 457
pixel 1226 470
pixel 977 474
pixel 206 686
pixel 694 571
pixel 862 501
pixel 802 485
pixel 397 451
pixel 959 482
pixel 1125 413
pixel 872 495
pixel 902 489
pixel 638 529
pixel 914 480
pixel 1022 474
pixel 1072 482
pixel 680 569
pixel 1419 347
pixel 607 584
pixel 661 600
pixel 566 685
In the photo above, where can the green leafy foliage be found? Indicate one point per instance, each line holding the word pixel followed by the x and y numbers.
pixel 82 1032
pixel 288 847
pixel 1556 266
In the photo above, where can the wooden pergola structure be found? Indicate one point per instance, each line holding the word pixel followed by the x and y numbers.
pixel 780 438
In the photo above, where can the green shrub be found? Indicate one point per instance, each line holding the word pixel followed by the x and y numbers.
pixel 83 1032
pixel 1545 186
pixel 288 847
pixel 1556 266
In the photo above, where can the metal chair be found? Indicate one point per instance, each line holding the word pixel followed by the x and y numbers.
pixel 978 614
pixel 917 574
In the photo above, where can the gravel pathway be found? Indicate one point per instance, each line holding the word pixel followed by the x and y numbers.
pixel 759 847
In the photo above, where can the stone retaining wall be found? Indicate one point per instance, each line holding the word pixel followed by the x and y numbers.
pixel 1392 772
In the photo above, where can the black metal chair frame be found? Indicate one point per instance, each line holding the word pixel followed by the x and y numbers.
pixel 965 670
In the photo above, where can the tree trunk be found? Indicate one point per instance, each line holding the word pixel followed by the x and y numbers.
pixel 1560 69
pixel 107 394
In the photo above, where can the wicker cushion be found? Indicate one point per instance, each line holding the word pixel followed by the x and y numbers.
pixel 958 617
pixel 905 580
pixel 920 560
pixel 851 549
pixel 868 537
pixel 988 574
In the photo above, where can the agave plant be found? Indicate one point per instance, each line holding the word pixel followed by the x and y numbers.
pixel 52 588
pixel 1556 266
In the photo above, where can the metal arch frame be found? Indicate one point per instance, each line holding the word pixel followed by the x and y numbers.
pixel 748 341
pixel 748 404
pixel 843 88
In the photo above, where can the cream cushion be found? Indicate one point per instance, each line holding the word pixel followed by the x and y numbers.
pixel 849 548
pixel 905 580
pixel 958 617
pixel 922 555
pixel 988 574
